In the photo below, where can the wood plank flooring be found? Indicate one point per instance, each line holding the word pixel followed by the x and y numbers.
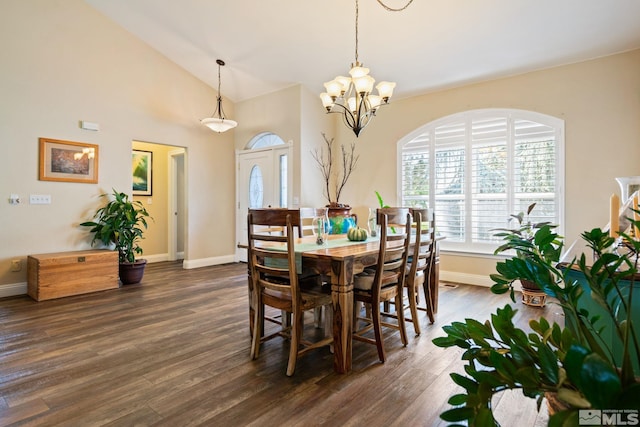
pixel 174 351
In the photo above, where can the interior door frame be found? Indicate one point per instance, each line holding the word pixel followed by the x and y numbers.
pixel 173 207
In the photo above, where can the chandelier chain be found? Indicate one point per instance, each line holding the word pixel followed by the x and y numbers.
pixel 390 9
pixel 356 30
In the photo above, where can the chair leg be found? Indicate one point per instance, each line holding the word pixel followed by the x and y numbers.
pixel 317 317
pixel 258 327
pixel 413 307
pixel 296 333
pixel 428 299
pixel 328 324
pixel 356 312
pixel 377 329
pixel 401 324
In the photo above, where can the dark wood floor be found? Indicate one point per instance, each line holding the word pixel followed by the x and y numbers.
pixel 174 351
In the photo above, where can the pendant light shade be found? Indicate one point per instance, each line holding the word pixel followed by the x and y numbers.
pixel 218 122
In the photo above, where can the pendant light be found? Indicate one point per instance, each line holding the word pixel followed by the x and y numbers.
pixel 219 123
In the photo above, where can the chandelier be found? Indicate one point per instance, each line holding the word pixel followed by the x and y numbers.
pixel 351 96
pixel 219 123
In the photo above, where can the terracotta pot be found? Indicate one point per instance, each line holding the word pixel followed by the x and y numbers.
pixel 132 272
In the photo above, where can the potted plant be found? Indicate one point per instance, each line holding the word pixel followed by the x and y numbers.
pixel 522 241
pixel 121 223
pixel 586 364
pixel 335 178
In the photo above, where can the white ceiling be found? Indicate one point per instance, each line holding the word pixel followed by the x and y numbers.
pixel 433 44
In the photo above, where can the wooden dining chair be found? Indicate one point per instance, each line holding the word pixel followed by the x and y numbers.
pixel 385 282
pixel 276 282
pixel 419 267
pixel 307 214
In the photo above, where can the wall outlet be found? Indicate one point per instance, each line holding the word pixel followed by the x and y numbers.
pixel 16 265
pixel 40 199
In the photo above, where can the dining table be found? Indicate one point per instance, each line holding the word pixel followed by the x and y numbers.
pixel 339 259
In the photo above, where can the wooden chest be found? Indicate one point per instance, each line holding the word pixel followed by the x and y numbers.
pixel 63 274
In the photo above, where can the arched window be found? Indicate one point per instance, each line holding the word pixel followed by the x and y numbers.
pixel 478 167
pixel 266 139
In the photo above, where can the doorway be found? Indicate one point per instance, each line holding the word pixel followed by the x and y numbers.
pixel 263 181
pixel 166 237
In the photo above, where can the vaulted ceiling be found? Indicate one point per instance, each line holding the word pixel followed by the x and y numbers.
pixel 433 44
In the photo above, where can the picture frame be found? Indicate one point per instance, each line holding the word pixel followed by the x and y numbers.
pixel 142 172
pixel 68 161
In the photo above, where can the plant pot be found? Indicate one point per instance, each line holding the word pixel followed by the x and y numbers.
pixel 132 272
pixel 529 285
pixel 340 219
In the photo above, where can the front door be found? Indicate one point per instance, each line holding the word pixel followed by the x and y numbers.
pixel 256 189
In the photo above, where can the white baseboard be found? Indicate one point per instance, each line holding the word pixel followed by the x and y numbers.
pixel 13 289
pixel 156 258
pixel 469 279
pixel 206 262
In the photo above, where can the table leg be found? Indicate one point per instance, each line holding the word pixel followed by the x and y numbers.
pixel 342 299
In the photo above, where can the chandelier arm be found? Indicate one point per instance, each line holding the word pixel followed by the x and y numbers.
pixel 347 115
pixel 390 9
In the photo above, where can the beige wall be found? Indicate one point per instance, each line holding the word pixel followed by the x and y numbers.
pixel 599 101
pixel 292 114
pixel 64 62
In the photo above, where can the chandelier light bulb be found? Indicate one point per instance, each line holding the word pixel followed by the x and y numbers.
pixel 385 90
pixel 364 84
pixel 334 88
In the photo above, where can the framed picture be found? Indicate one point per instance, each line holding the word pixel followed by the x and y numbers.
pixel 68 161
pixel 141 167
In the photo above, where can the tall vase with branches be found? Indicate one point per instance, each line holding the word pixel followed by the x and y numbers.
pixel 324 157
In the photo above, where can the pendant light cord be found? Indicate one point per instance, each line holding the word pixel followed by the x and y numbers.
pixel 218 79
pixel 390 9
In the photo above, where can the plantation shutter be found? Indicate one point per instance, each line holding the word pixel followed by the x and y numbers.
pixel 489 175
pixel 449 180
pixel 477 168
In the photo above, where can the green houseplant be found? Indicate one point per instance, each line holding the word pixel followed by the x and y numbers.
pixel 575 366
pixel 120 223
pixel 526 239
